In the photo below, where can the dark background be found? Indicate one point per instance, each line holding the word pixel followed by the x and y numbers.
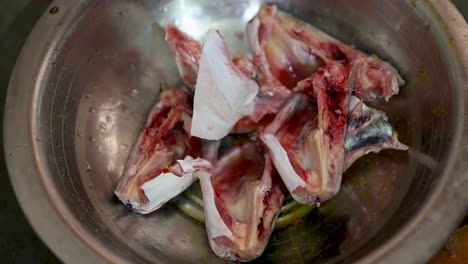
pixel 18 242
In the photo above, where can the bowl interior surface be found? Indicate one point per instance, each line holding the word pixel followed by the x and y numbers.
pixel 106 73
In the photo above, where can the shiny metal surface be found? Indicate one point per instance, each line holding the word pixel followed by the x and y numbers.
pixel 91 70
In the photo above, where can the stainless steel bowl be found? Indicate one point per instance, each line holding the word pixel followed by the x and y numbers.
pixel 91 70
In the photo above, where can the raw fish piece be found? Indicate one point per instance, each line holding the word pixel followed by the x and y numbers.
pixel 308 152
pixel 280 58
pixel 287 50
pixel 161 164
pixel 288 139
pixel 242 197
pixel 368 131
pixel 187 52
pixel 223 93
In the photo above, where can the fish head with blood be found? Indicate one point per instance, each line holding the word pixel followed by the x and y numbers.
pixel 243 197
pixel 148 180
pixel 306 138
pixel 280 57
pixel 287 50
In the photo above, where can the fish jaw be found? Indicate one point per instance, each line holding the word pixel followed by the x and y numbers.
pixel 243 196
pixel 309 155
pixel 161 143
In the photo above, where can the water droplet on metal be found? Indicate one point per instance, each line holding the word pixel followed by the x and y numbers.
pixel 123 13
pixel 134 92
pixel 88 95
pixel 54 64
pixel 101 149
pixel 103 126
pixel 92 139
pixel 108 119
pixel 124 146
pixel 91 109
pixel 79 134
pixel 38 139
pixel 54 10
pixel 88 167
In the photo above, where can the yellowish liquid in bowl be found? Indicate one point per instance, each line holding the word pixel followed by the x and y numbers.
pixel 455 251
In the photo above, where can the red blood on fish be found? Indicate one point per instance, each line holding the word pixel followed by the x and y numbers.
pixel 162 142
pixel 312 139
pixel 247 199
pixel 287 50
pixel 187 52
pixel 334 52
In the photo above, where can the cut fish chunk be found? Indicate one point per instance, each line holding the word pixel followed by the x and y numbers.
pixel 287 50
pixel 187 52
pixel 368 131
pixel 288 139
pixel 161 164
pixel 242 197
pixel 280 58
pixel 223 93
pixel 307 146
